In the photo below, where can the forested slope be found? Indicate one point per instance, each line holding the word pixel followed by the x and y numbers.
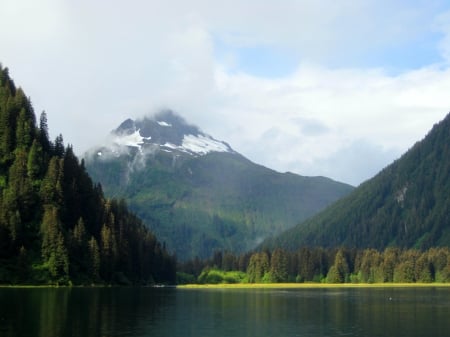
pixel 406 205
pixel 56 226
pixel 201 199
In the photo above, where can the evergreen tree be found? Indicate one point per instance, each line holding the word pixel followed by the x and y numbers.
pixel 370 267
pixel 339 271
pixel 43 137
pixel 258 267
pixel 54 250
pixel 390 260
pixel 278 266
pixel 24 131
pixel 52 184
pixel 58 149
pixel 35 163
pixel 94 259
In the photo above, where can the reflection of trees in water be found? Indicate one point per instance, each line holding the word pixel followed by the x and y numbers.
pixel 59 312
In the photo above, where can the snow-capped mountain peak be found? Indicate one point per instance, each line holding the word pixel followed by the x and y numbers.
pixel 168 132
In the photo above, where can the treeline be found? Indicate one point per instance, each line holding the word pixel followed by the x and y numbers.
pixel 337 265
pixel 56 226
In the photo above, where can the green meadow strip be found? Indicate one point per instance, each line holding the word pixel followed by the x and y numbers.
pixel 309 285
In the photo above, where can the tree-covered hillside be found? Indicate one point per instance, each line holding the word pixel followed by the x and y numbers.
pixel 406 205
pixel 199 204
pixel 56 226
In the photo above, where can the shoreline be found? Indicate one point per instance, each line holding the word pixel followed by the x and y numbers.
pixel 310 285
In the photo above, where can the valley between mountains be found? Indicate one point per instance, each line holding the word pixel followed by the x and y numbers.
pixel 160 201
pixel 196 193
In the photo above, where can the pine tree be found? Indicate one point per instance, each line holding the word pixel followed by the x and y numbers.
pixel 390 260
pixel 94 258
pixel 35 163
pixel 339 271
pixel 278 266
pixel 24 131
pixel 258 267
pixel 59 150
pixel 79 249
pixel 19 198
pixel 52 185
pixel 54 250
pixel 43 138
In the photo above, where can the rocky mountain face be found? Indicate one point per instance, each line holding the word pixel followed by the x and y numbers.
pixel 196 193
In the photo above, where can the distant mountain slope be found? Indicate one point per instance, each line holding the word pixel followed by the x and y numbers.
pixel 198 194
pixel 407 204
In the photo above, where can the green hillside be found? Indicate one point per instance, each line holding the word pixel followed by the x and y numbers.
pixel 56 226
pixel 217 201
pixel 406 205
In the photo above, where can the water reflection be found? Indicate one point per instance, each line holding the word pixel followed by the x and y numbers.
pixel 142 312
pixel 59 312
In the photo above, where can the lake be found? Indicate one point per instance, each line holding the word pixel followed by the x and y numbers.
pixel 60 312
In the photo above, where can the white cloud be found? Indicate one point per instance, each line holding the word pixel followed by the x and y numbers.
pixel 91 65
pixel 351 109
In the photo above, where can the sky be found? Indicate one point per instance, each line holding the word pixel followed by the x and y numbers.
pixel 315 87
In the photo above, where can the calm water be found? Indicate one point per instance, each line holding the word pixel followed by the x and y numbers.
pixel 251 312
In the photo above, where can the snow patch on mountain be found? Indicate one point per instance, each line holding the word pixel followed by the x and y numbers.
pixel 198 145
pixel 203 144
pixel 134 140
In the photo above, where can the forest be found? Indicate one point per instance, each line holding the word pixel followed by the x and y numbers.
pixel 56 226
pixel 321 265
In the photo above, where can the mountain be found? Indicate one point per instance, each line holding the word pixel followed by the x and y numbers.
pixel 198 194
pixel 406 205
pixel 56 226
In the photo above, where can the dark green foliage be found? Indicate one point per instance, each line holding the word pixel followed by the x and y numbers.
pixel 340 270
pixel 220 201
pixel 54 251
pixel 279 266
pixel 258 267
pixel 406 205
pixel 56 227
pixel 324 265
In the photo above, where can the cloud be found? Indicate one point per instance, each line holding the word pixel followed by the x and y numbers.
pixel 308 121
pixel 368 73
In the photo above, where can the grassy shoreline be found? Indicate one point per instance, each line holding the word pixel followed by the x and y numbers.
pixel 310 285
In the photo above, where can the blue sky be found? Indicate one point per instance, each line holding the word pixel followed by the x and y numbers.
pixel 333 88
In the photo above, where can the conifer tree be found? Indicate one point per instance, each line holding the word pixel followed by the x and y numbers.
pixel 35 162
pixel 278 266
pixel 24 131
pixel 52 186
pixel 58 150
pixel 54 250
pixel 94 259
pixel 258 267
pixel 340 270
pixel 43 138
